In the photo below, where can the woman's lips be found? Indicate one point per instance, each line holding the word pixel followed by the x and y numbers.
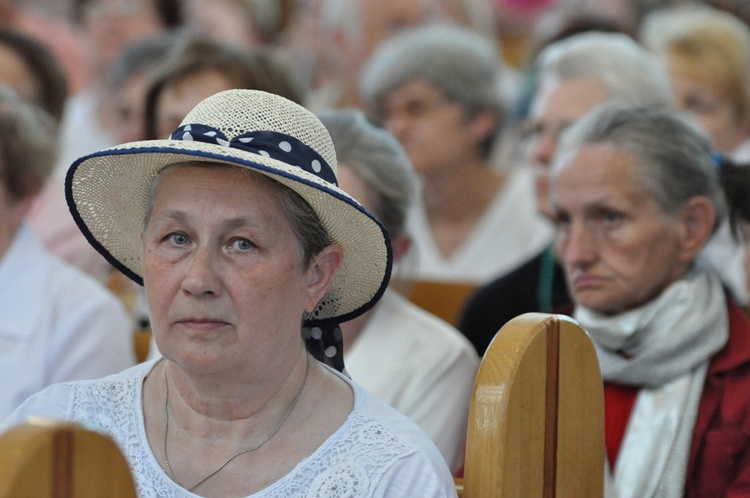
pixel 206 324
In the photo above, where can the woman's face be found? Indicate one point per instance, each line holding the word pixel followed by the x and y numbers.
pixel 717 113
pixel 16 74
pixel 179 97
pixel 619 248
pixel 432 129
pixel 112 24
pixel 222 270
pixel 557 105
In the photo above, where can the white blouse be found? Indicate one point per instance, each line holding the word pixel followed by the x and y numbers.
pixel 377 452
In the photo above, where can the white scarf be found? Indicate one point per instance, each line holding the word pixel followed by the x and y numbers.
pixel 665 347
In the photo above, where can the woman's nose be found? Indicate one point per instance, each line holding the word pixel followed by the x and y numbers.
pixel 201 276
pixel 578 246
pixel 542 149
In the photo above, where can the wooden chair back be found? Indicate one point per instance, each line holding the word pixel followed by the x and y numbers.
pixel 61 460
pixel 444 299
pixel 536 422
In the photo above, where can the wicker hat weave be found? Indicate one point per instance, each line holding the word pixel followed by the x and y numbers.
pixel 108 191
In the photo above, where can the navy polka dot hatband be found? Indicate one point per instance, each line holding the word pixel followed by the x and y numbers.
pixel 108 191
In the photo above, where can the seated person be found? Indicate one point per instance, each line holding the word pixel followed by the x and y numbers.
pixel 238 231
pixel 411 359
pixel 436 89
pixel 636 194
pixel 58 324
pixel 199 66
pixel 574 76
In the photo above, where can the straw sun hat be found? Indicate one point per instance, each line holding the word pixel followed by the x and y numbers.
pixel 107 191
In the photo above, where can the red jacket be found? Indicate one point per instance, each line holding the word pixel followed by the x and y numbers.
pixel 719 464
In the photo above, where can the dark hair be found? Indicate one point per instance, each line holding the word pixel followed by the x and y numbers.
pixel 53 84
pixel 735 181
pixel 28 140
pixel 255 69
pixel 169 11
pixel 140 56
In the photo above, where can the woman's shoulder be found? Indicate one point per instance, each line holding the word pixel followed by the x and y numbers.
pixel 378 427
pixel 84 400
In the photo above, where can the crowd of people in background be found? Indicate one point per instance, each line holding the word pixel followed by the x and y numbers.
pixel 482 134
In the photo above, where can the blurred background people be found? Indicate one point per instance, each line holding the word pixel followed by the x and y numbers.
pixel 707 54
pixel 32 71
pixel 128 78
pixel 407 357
pixel 199 66
pixel 49 22
pixel 636 194
pixel 330 40
pixel 574 75
pixel 107 26
pixel 438 90
pixel 245 23
pixel 58 324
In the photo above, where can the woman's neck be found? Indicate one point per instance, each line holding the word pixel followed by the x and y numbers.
pixel 455 201
pixel 195 402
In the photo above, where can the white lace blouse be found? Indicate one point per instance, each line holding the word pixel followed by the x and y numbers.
pixel 377 452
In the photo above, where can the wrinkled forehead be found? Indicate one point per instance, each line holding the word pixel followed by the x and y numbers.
pixel 184 174
pixel 594 167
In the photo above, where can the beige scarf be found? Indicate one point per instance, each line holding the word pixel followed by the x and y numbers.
pixel 663 346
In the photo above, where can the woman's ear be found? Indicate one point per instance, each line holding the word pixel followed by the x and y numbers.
pixel 401 245
pixel 482 125
pixel 697 218
pixel 321 272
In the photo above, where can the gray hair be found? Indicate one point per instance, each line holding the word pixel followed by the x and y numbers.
pixel 675 161
pixel 625 68
pixel 464 65
pixel 304 221
pixel 378 159
pixel 28 145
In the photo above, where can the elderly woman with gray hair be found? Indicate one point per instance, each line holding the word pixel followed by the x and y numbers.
pixel 237 229
pixel 407 357
pixel 438 90
pixel 636 194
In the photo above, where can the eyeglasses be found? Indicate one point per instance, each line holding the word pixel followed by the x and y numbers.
pixel 413 108
pixel 535 130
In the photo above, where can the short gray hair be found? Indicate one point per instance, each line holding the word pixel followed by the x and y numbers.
pixel 461 63
pixel 626 69
pixel 378 159
pixel 675 161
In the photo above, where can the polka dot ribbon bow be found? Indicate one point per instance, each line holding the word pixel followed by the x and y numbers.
pixel 279 146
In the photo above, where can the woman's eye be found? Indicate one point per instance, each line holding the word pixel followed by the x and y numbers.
pixel 242 244
pixel 178 239
pixel 561 220
pixel 610 218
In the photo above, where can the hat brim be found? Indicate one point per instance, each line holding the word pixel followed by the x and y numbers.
pixel 107 193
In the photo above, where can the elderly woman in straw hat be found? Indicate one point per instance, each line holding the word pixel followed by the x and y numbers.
pixel 240 236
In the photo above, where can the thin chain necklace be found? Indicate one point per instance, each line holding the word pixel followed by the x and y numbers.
pixel 226 462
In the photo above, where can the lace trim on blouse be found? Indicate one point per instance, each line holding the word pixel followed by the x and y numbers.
pixel 349 464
